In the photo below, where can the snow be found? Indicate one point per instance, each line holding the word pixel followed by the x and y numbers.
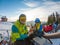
pixel 4 26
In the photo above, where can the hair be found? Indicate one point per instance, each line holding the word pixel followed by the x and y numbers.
pixel 22 15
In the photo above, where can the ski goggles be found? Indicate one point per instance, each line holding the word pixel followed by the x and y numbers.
pixel 22 19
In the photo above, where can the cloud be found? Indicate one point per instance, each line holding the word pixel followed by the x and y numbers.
pixel 44 11
pixel 31 4
pixel 41 12
pixel 37 3
pixel 50 3
pixel 52 6
pixel 13 18
pixel 21 10
pixel 36 13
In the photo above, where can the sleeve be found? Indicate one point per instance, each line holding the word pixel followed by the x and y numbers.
pixel 40 30
pixel 24 35
pixel 26 30
pixel 14 29
pixel 14 34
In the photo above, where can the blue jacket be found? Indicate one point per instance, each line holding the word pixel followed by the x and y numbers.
pixel 39 33
pixel 40 29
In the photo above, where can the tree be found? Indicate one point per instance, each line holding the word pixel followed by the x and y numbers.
pixel 58 17
pixel 51 19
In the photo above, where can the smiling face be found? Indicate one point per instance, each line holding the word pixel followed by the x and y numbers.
pixel 23 20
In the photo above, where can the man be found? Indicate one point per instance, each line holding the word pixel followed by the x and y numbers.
pixel 38 28
pixel 20 32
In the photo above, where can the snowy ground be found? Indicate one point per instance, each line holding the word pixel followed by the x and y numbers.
pixel 39 41
pixel 46 42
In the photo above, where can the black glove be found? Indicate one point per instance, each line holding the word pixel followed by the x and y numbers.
pixel 39 34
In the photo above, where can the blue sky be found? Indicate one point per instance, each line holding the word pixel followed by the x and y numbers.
pixel 32 8
pixel 10 6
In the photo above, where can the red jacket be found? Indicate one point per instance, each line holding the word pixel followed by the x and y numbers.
pixel 48 28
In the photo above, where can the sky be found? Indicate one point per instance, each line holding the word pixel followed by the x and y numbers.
pixel 31 8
